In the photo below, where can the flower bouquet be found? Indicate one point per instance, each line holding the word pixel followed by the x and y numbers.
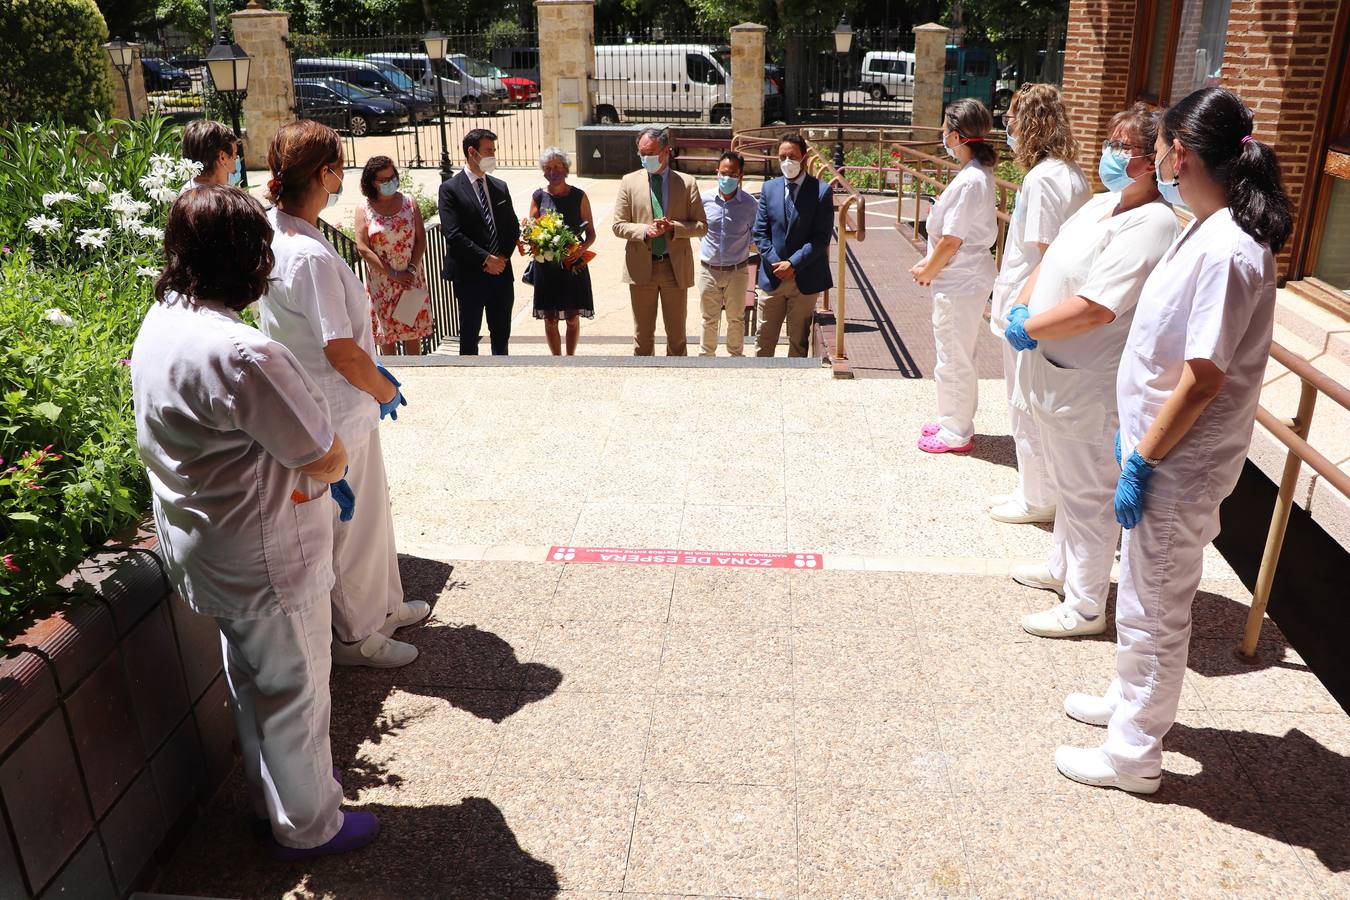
pixel 547 239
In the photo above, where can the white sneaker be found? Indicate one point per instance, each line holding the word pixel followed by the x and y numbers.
pixel 1015 512
pixel 998 500
pixel 1088 709
pixel 1062 621
pixel 1037 575
pixel 376 651
pixel 410 612
pixel 1089 765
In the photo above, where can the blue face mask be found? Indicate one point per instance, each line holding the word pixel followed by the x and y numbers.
pixel 652 164
pixel 1111 170
pixel 1170 190
pixel 390 187
pixel 1012 141
pixel 728 184
pixel 238 174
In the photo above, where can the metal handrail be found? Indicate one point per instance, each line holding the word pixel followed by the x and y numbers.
pixel 756 144
pixel 1293 434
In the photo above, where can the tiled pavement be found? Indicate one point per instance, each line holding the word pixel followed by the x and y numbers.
pixel 883 729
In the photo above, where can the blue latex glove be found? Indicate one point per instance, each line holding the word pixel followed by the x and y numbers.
pixel 390 409
pixel 1016 332
pixel 346 498
pixel 1130 490
pixel 1117 446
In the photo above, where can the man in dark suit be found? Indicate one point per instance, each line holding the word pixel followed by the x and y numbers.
pixel 481 230
pixel 792 234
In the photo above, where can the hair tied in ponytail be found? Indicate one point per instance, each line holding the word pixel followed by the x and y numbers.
pixel 274 185
pixel 1245 139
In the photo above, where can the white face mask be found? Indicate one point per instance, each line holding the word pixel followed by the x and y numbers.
pixel 948 147
pixel 487 163
pixel 333 197
pixel 790 168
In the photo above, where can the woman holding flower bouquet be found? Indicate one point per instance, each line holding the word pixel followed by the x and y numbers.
pixel 562 286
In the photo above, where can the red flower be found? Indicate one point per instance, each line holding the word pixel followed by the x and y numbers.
pixel 8 560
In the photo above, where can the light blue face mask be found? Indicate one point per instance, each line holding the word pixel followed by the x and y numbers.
pixel 652 164
pixel 1111 170
pixel 1012 141
pixel 238 174
pixel 1170 190
pixel 390 187
pixel 728 184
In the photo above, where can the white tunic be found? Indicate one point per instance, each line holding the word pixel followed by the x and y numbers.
pixel 1212 297
pixel 314 297
pixel 224 420
pixel 966 209
pixel 1051 192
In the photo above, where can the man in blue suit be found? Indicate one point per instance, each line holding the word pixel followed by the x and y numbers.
pixel 792 234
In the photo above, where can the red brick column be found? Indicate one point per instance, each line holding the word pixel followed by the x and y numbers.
pixel 1096 70
pixel 1278 59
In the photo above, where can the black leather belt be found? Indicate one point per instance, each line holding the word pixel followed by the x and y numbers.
pixel 662 256
pixel 709 265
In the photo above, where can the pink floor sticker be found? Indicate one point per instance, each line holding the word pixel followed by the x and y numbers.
pixel 650 557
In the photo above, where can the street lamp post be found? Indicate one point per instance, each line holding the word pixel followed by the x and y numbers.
pixel 122 55
pixel 228 66
pixel 843 42
pixel 436 44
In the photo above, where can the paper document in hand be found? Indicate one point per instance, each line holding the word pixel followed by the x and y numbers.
pixel 410 304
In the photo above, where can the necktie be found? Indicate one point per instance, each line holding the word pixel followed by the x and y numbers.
pixel 487 212
pixel 792 198
pixel 658 244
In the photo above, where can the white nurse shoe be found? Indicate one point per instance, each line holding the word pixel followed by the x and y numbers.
pixel 409 612
pixel 1037 575
pixel 1014 511
pixel 1089 765
pixel 1088 709
pixel 376 651
pixel 1062 622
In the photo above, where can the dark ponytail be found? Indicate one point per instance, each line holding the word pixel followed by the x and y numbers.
pixel 971 120
pixel 1214 124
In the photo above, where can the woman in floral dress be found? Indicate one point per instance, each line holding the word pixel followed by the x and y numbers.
pixel 392 239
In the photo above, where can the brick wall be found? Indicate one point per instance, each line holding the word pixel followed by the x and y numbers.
pixel 1096 70
pixel 1278 59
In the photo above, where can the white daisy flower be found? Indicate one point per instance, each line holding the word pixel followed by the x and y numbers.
pixel 94 186
pixel 161 161
pixel 128 222
pixel 93 237
pixel 163 194
pixel 56 317
pixel 150 231
pixel 120 202
pixel 152 181
pixel 43 224
pixel 185 169
pixel 49 200
pixel 146 272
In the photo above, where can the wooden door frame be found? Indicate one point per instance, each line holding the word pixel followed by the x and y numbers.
pixel 1333 122
pixel 1145 17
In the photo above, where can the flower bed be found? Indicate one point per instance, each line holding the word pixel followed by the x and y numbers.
pixel 82 224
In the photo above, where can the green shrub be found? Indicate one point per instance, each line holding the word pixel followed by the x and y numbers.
pixel 54 66
pixel 73 290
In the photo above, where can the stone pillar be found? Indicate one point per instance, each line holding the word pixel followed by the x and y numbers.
pixel 747 76
pixel 136 79
pixel 566 68
pixel 930 65
pixel 270 103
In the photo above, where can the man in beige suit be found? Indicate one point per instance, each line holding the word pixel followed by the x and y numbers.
pixel 657 212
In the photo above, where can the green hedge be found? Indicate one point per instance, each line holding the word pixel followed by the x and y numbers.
pixel 82 232
pixel 54 66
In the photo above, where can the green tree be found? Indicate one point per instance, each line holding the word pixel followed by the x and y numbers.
pixel 55 69
pixel 127 18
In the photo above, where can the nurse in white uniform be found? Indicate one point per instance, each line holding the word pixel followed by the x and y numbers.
pixel 962 229
pixel 317 307
pixel 1054 188
pixel 214 147
pixel 236 441
pixel 1082 301
pixel 1188 387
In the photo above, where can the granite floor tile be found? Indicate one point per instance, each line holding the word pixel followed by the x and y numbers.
pixel 879 843
pixel 1006 671
pixel 420 735
pixel 1087 666
pixel 731 597
pixel 1318 833
pixel 994 750
pixel 614 657
pixel 852 531
pixel 737 528
pixel 445 520
pixel 871 663
pixel 869 743
pixel 1279 682
pixel 482 590
pixel 720 477
pixel 491 655
pixel 738 840
pixel 1289 755
pixel 643 473
pixel 576 736
pixel 990 607
pixel 852 599
pixel 610 593
pixel 724 740
pixel 629 524
pixel 727 659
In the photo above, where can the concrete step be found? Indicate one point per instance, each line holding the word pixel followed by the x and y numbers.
pixel 1326 330
pixel 446 356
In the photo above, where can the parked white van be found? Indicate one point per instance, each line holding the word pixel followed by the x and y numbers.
pixel 888 73
pixel 667 82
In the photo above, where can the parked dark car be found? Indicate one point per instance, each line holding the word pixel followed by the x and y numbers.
pixel 378 78
pixel 188 61
pixel 346 107
pixel 160 76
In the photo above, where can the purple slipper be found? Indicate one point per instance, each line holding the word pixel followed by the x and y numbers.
pixel 358 830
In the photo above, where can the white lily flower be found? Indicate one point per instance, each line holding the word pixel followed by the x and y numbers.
pixel 93 237
pixel 49 200
pixel 94 186
pixel 146 272
pixel 56 317
pixel 43 224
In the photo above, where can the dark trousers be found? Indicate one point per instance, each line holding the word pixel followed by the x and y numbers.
pixel 494 296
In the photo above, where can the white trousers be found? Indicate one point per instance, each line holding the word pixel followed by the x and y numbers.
pixel 277 669
pixel 956 328
pixel 366 587
pixel 1085 475
pixel 1160 564
pixel 1034 485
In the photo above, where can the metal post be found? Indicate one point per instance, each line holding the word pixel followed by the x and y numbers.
pixel 126 85
pixel 839 145
pixel 440 102
pixel 235 101
pixel 1284 503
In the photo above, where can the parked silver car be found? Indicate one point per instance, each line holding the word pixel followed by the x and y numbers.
pixel 471 95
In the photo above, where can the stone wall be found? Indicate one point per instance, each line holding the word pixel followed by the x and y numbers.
pixel 747 76
pixel 136 80
pixel 930 63
pixel 566 67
